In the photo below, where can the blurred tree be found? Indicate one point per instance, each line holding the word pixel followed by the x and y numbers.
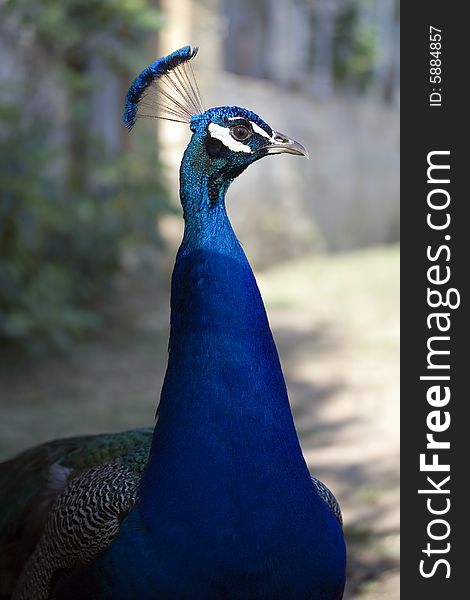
pixel 354 45
pixel 386 47
pixel 70 182
pixel 325 13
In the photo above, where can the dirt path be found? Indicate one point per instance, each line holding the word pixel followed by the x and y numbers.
pixel 335 320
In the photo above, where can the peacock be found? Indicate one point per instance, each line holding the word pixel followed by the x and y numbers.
pixel 215 502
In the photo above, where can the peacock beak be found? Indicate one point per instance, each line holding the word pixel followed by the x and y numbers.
pixel 283 144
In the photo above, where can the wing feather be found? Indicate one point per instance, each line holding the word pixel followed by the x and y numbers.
pixel 31 482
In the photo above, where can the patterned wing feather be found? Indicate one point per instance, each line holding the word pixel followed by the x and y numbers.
pixel 327 496
pixel 82 522
pixel 31 482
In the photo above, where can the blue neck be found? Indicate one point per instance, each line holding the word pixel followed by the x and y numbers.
pixel 202 197
pixel 224 404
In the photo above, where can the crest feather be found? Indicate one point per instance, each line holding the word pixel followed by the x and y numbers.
pixel 166 89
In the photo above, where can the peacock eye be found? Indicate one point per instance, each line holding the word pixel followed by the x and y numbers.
pixel 240 132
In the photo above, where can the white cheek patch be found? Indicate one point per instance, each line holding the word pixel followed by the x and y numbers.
pixel 223 134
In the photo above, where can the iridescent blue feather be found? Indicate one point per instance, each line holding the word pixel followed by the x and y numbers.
pixel 166 89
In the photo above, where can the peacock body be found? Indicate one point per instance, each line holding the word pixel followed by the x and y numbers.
pixel 217 501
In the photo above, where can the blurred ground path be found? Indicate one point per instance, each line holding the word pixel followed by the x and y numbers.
pixel 335 320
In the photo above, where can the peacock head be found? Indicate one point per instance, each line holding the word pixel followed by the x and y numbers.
pixel 226 139
pixel 236 137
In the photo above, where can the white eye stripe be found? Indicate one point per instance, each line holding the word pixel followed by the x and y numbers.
pixel 256 128
pixel 260 131
pixel 223 134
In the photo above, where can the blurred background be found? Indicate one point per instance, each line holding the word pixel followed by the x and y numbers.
pixel 90 221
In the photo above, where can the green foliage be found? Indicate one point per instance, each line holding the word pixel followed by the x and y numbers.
pixel 61 25
pixel 58 249
pixel 69 205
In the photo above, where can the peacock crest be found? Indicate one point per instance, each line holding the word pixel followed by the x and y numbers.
pixel 166 89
